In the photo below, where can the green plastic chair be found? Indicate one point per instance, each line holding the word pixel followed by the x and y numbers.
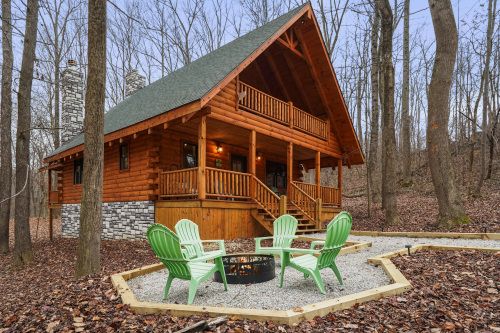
pixel 336 235
pixel 284 228
pixel 189 236
pixel 167 248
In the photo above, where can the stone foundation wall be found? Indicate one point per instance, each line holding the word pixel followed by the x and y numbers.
pixel 121 220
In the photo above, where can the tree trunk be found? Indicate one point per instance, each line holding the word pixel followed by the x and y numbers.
pixel 5 126
pixel 486 96
pixel 23 252
pixel 388 132
pixel 450 206
pixel 89 244
pixel 405 98
pixel 374 123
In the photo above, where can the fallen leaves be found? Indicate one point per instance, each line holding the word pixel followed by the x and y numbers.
pixel 453 291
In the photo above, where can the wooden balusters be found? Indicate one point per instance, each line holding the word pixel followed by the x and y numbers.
pixel 178 183
pixel 227 184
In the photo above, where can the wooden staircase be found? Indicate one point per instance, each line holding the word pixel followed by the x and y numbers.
pixel 305 226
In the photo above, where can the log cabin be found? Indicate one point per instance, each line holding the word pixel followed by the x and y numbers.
pixel 223 141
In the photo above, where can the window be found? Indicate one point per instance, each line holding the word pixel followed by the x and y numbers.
pixel 239 163
pixel 124 156
pixel 78 171
pixel 189 155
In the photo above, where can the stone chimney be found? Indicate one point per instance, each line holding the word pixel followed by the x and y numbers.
pixel 133 82
pixel 72 102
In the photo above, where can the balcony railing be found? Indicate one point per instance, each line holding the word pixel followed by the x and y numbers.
pixel 256 101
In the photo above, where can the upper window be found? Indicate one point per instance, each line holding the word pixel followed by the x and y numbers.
pixel 189 155
pixel 78 171
pixel 124 160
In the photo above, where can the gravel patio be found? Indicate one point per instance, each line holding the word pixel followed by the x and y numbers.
pixel 357 273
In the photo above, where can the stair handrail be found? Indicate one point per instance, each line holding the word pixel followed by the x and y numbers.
pixel 309 213
pixel 272 204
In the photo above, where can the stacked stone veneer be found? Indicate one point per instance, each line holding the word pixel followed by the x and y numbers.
pixel 121 220
pixel 133 82
pixel 72 102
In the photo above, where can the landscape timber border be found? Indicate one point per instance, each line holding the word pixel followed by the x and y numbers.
pixel 425 234
pixel 398 286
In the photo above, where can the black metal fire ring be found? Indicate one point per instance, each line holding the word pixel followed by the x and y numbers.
pixel 247 268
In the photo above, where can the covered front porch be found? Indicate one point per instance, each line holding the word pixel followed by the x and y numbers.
pixel 233 173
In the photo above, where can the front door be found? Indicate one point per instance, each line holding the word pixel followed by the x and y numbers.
pixel 276 177
pixel 239 163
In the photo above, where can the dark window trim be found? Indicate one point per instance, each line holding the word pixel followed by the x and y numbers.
pixel 77 181
pixel 183 142
pixel 120 165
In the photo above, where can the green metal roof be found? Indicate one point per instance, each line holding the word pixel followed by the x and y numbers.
pixel 187 84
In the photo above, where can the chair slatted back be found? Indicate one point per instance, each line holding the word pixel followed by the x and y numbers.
pixel 285 225
pixel 188 231
pixel 167 248
pixel 336 235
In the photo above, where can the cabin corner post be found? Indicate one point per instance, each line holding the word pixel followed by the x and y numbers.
pixel 339 180
pixel 202 154
pixel 283 205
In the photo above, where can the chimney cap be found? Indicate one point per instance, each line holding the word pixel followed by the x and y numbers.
pixel 71 62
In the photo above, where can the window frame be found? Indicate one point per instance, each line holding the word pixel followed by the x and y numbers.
pixel 77 180
pixel 183 159
pixel 120 165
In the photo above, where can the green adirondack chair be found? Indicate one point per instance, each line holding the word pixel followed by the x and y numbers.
pixel 167 248
pixel 284 228
pixel 336 236
pixel 189 235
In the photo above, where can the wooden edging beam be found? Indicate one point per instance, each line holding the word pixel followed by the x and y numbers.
pixel 400 284
pixel 424 234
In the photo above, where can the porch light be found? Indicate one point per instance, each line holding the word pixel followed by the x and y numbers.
pixel 259 156
pixel 218 148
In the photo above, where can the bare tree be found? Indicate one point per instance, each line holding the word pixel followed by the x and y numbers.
pixel 89 242
pixel 443 177
pixel 23 252
pixel 486 74
pixel 331 16
pixel 212 27
pixel 261 12
pixel 57 42
pixel 389 203
pixel 5 126
pixel 374 121
pixel 405 99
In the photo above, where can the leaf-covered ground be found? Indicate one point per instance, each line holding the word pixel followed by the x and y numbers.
pixel 453 291
pixel 418 212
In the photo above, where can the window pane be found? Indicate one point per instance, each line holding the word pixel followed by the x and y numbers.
pixel 124 156
pixel 78 171
pixel 189 155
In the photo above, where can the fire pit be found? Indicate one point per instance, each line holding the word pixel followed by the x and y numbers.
pixel 247 268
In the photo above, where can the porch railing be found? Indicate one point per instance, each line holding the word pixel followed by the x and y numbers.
pixel 303 202
pixel 256 101
pixel 265 198
pixel 227 184
pixel 330 196
pixel 178 183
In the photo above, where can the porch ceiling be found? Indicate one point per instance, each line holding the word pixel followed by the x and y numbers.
pixel 236 136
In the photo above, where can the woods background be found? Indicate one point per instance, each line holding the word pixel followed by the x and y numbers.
pixel 158 36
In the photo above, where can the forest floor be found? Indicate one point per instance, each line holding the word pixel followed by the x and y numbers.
pixel 453 291
pixel 418 207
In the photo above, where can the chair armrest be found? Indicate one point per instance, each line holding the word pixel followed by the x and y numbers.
pixel 220 242
pixel 189 242
pixel 300 251
pixel 315 243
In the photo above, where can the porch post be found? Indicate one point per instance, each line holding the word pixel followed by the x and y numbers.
pixel 202 154
pixel 289 163
pixel 318 174
pixel 339 180
pixel 252 152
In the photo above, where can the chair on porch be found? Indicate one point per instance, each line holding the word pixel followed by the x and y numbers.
pixel 284 228
pixel 167 248
pixel 189 235
pixel 312 261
